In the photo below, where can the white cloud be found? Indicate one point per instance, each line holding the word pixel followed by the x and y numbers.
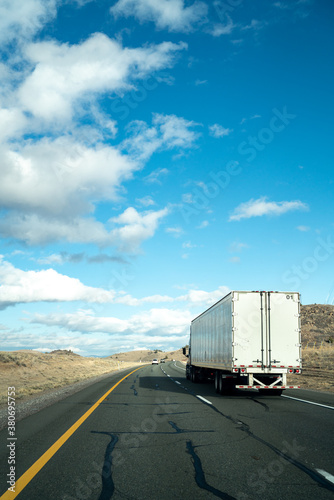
pixel 303 228
pixel 218 131
pixel 255 25
pixel 13 123
pixel 176 131
pixel 34 229
pixel 146 201
pixel 200 82
pixel 50 187
pixel 155 176
pixel 19 286
pixel 23 19
pixel 167 132
pixel 161 322
pixel 260 207
pixel 166 14
pixel 61 176
pixel 136 227
pixel 219 29
pixel 153 299
pixel 52 259
pixel 203 298
pixel 64 73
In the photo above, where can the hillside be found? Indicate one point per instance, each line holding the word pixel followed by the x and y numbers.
pixel 34 372
pixel 317 322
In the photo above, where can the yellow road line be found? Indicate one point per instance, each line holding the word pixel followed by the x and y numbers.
pixel 22 482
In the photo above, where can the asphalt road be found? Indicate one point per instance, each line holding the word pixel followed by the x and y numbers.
pixel 155 437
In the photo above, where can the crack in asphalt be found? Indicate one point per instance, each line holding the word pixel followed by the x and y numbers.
pixel 200 476
pixel 108 486
pixel 178 430
pixel 266 407
pixel 318 478
pixel 282 454
pixel 134 390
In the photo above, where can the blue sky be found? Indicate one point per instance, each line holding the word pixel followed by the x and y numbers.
pixel 156 154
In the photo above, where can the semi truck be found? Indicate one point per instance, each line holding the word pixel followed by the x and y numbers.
pixel 247 340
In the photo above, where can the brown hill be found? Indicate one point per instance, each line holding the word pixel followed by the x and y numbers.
pixel 317 323
pixel 146 356
pixel 34 372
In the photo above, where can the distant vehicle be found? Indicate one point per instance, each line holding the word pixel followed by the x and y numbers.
pixel 162 360
pixel 247 340
pixel 155 362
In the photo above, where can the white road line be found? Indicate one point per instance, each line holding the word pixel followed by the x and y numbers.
pixel 185 388
pixel 203 399
pixel 326 475
pixel 179 367
pixel 309 402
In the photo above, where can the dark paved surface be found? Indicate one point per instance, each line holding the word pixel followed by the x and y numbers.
pixel 153 438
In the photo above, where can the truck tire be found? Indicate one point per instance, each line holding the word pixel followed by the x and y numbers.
pixel 194 377
pixel 217 376
pixel 225 386
pixel 221 386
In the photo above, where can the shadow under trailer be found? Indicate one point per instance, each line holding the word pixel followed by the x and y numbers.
pixel 247 340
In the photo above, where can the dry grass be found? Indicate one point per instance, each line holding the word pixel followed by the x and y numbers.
pixel 318 368
pixel 32 372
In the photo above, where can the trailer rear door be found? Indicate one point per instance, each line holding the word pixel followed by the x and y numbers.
pixel 266 329
pixel 249 328
pixel 284 329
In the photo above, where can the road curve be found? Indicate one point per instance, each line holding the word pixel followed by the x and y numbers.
pixel 155 435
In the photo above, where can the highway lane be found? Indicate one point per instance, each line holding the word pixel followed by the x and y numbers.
pixel 153 437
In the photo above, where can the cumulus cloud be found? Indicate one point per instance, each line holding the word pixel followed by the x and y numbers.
pixel 135 227
pixel 62 73
pixel 24 19
pixel 161 322
pixel 50 186
pixel 172 15
pixel 34 229
pixel 260 207
pixel 18 286
pixel 47 285
pixel 61 176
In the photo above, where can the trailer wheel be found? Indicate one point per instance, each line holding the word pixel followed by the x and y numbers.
pixel 194 377
pixel 221 385
pixel 217 377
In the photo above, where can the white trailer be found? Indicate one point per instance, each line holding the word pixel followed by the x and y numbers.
pixel 247 340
